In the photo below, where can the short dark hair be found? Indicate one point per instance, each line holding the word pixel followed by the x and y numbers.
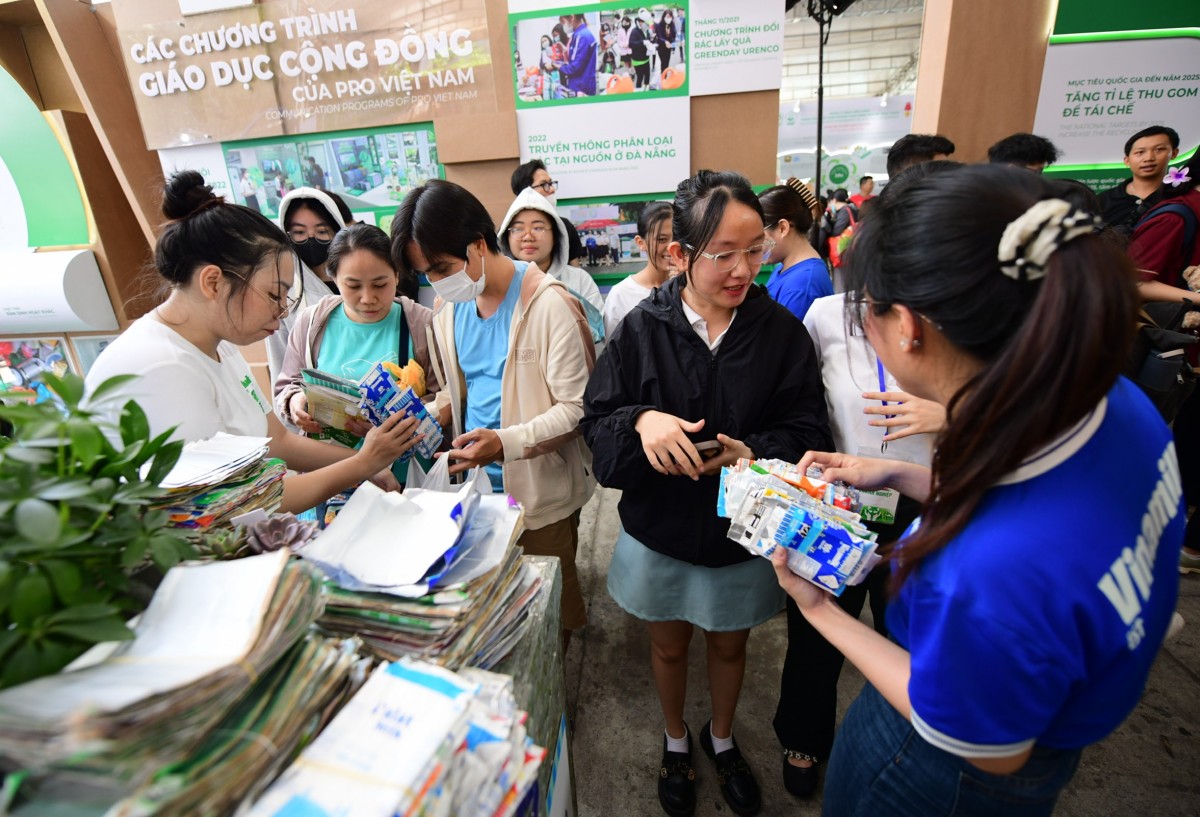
pixel 916 147
pixel 522 177
pixel 1153 130
pixel 442 218
pixel 865 179
pixel 306 203
pixel 1023 149
pixel 205 229
pixel 915 173
pixel 700 203
pixel 841 194
pixel 366 237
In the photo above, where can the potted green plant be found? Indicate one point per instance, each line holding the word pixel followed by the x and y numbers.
pixel 75 524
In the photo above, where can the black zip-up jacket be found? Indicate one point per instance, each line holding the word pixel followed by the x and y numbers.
pixel 763 387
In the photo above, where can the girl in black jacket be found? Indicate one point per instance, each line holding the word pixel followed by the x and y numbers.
pixel 706 370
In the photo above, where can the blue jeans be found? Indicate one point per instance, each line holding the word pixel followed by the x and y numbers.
pixel 881 767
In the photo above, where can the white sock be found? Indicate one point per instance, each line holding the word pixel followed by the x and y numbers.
pixel 720 744
pixel 677 744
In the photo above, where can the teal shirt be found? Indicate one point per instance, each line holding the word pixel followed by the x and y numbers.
pixel 352 349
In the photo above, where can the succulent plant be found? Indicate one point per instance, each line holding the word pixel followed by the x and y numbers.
pixel 280 531
pixel 221 543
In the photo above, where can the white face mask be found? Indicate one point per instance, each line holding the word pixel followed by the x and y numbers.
pixel 552 198
pixel 569 29
pixel 459 288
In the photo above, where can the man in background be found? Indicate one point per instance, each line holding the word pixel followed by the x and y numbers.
pixel 916 148
pixel 1024 150
pixel 1147 154
pixel 866 190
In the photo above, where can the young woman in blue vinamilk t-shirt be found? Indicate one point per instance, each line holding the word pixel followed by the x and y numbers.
pixel 802 276
pixel 348 334
pixel 1027 613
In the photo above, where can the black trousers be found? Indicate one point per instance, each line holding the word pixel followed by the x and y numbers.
pixel 1187 449
pixel 806 716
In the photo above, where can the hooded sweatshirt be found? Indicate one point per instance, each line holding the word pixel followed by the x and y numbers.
pixel 306 286
pixel 576 279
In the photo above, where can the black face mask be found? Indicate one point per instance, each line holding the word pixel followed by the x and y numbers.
pixel 312 252
pixel 624 25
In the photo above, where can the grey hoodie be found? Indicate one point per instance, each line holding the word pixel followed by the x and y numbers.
pixel 307 286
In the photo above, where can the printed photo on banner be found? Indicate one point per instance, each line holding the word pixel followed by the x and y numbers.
pixel 369 169
pixel 24 360
pixel 607 230
pixel 599 53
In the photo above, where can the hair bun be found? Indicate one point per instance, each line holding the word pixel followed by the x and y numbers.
pixel 185 193
pixel 810 198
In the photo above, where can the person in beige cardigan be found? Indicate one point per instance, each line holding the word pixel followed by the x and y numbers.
pixel 513 352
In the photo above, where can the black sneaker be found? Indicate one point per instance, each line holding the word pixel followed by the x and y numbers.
pixel 677 780
pixel 738 786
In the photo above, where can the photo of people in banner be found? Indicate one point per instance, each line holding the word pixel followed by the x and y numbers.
pixel 366 169
pixel 608 233
pixel 598 54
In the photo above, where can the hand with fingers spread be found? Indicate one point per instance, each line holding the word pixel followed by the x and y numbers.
pixel 480 446
pixel 664 439
pixel 731 451
pixel 384 444
pixel 907 414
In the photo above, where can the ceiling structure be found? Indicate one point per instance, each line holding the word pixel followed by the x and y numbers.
pixel 873 48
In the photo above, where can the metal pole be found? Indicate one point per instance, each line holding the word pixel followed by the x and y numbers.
pixel 820 96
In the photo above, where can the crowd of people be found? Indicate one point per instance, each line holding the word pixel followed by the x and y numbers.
pixel 966 362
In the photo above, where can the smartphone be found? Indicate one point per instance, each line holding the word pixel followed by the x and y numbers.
pixel 709 449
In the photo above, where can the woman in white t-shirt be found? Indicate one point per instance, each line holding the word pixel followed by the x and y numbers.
pixel 653 236
pixel 229 270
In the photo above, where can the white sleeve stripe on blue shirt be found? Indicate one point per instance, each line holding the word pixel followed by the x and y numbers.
pixel 962 748
pixel 1061 449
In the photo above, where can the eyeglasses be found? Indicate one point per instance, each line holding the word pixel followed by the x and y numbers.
pixel 283 306
pixel 323 234
pixel 538 230
pixel 756 256
pixel 547 187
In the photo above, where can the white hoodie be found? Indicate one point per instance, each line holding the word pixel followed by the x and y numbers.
pixel 576 278
pixel 306 285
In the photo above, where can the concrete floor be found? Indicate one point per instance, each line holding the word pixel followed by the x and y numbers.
pixel 1150 766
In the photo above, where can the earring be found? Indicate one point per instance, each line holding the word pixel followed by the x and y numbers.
pixel 904 344
pixel 916 343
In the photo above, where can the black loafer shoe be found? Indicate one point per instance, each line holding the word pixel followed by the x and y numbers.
pixel 738 786
pixel 799 781
pixel 677 781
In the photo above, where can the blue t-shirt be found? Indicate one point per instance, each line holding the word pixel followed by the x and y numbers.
pixel 796 287
pixel 482 345
pixel 1040 620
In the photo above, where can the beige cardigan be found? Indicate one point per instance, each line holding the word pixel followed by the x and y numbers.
pixel 547 466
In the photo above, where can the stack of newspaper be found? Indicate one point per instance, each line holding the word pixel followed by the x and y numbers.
pixel 211 631
pixel 220 478
pixel 429 574
pixel 416 739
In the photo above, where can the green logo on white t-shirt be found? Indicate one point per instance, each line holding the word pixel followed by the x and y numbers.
pixel 248 385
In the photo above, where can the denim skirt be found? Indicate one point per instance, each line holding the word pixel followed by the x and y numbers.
pixel 656 587
pixel 881 767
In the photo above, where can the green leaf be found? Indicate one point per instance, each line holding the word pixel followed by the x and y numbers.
pixel 66 579
pixel 81 612
pixel 55 490
pixel 85 442
pixel 8 640
pixel 108 389
pixel 38 521
pixel 164 461
pixel 165 553
pixel 31 599
pixel 110 628
pixel 33 456
pixel 134 425
pixel 24 664
pixel 134 552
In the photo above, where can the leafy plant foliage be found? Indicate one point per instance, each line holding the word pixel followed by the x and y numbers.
pixel 75 524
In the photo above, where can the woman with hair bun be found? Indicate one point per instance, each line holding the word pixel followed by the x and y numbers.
pixel 228 270
pixel 801 276
pixel 703 372
pixel 653 238
pixel 1025 615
